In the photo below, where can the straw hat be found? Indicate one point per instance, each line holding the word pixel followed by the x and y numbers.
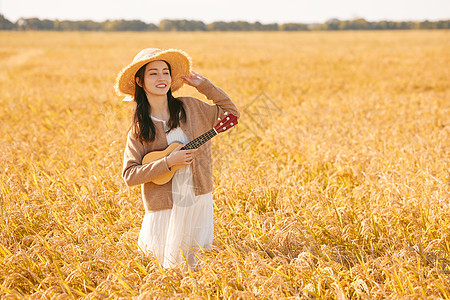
pixel 180 64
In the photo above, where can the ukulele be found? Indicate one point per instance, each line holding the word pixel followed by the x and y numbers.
pixel 228 122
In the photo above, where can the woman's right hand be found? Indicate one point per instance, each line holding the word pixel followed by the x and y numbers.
pixel 180 157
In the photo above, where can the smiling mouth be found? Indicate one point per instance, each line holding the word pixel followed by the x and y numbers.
pixel 161 85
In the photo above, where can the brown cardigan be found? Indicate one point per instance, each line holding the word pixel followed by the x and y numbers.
pixel 200 117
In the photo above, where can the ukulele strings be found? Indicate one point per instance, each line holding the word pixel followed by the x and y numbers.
pixel 195 143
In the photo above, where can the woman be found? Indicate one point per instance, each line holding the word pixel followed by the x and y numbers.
pixel 178 214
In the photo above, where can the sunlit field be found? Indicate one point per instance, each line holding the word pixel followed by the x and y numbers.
pixel 334 185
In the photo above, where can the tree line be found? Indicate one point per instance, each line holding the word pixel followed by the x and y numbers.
pixel 193 25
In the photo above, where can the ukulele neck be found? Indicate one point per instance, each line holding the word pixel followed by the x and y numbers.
pixel 195 143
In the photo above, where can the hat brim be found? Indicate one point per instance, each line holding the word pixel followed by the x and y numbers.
pixel 180 64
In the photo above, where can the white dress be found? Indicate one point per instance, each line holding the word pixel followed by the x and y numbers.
pixel 174 235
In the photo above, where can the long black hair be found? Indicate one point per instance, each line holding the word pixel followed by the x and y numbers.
pixel 142 122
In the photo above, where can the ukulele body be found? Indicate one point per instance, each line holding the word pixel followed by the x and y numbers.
pixel 155 155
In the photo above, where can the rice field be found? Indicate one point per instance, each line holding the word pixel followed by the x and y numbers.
pixel 334 185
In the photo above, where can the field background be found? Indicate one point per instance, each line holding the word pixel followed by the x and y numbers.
pixel 335 184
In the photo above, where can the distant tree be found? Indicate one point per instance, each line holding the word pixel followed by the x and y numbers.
pixel 293 27
pixel 393 25
pixel 35 24
pixel 133 25
pixel 218 26
pixel 47 25
pixel 109 25
pixel 404 25
pixel 127 25
pixel 427 25
pixel 152 27
pixel 167 25
pixel 232 26
pixel 266 27
pixel 343 25
pixel 360 24
pixel 58 25
pixel 381 25
pixel 242 26
pixel 332 24
pixel 317 26
pixel 443 24
pixel 65 25
pixel 5 24
pixel 192 25
pixel 182 25
pixel 88 25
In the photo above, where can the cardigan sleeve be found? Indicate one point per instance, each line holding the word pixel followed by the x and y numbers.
pixel 133 171
pixel 222 102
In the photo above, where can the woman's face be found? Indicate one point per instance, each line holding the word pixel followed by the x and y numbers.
pixel 157 79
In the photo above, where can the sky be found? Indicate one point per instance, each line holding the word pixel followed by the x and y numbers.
pixel 264 11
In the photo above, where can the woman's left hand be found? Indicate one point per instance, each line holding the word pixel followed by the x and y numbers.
pixel 194 79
